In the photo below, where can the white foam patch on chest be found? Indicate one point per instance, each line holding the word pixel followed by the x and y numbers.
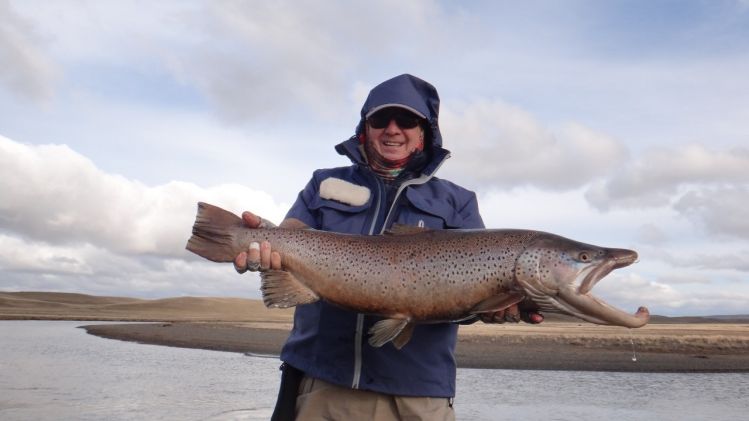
pixel 343 191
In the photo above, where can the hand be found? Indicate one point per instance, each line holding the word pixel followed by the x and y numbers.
pixel 259 256
pixel 513 314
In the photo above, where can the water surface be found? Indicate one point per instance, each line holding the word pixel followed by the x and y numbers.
pixel 54 371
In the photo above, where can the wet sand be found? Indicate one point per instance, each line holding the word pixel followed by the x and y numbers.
pixel 242 325
pixel 659 349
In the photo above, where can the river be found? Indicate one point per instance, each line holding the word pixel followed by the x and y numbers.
pixel 55 371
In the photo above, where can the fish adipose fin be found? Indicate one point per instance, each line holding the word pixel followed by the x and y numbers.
pixel 397 330
pixel 282 290
pixel 497 302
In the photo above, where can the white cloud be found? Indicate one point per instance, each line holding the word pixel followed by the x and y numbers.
pixel 61 218
pixel 261 60
pixel 27 70
pixel 50 192
pixel 670 296
pixel 721 211
pixel 727 257
pixel 83 268
pixel 501 145
pixel 711 187
pixel 654 178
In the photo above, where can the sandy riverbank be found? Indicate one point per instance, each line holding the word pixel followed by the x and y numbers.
pixel 551 346
pixel 240 325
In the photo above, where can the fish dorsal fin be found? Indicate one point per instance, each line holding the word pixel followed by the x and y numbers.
pixel 397 330
pixel 402 229
pixel 281 289
pixel 497 302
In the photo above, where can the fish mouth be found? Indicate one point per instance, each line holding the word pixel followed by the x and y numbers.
pixel 580 302
pixel 617 258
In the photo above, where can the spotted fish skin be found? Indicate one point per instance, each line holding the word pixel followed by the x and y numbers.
pixel 415 275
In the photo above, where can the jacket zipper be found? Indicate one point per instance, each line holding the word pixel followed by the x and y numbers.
pixel 360 317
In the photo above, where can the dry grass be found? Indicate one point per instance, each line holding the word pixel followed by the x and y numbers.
pixel 682 338
pixel 60 306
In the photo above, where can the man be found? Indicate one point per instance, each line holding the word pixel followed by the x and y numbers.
pixel 395 151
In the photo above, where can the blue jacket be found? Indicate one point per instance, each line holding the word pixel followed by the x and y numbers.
pixel 330 343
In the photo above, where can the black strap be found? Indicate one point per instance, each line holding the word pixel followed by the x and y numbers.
pixel 285 409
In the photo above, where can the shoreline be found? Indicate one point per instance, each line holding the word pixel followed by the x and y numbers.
pixel 504 347
pixel 684 344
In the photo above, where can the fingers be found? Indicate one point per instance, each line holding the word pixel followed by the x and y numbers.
pixel 512 314
pixel 251 220
pixel 495 317
pixel 275 260
pixel 240 262
pixel 253 257
pixel 259 257
pixel 265 253
pixel 532 317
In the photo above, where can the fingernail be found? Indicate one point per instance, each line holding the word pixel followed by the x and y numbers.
pixel 254 246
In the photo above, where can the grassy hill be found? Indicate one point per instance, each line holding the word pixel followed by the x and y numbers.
pixel 67 306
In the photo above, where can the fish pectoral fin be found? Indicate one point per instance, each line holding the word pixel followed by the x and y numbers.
pixel 282 290
pixel 497 302
pixel 397 330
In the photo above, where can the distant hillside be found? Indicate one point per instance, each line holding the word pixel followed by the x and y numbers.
pixel 67 306
pixel 736 318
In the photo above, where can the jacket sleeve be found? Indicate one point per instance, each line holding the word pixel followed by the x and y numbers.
pixel 301 209
pixel 470 213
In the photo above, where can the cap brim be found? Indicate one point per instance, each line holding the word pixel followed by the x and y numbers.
pixel 405 107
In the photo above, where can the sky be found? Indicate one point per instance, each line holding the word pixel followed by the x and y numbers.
pixel 619 123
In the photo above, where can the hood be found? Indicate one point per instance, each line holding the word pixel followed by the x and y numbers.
pixel 410 92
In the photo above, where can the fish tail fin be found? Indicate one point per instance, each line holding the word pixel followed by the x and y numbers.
pixel 213 233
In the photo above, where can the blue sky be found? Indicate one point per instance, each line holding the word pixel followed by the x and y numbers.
pixel 617 123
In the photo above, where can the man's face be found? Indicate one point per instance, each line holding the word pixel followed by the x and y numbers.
pixel 395 133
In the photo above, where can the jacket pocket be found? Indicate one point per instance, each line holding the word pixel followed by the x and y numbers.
pixel 429 212
pixel 340 217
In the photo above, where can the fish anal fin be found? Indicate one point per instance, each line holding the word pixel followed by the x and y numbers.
pixel 396 330
pixel 402 229
pixel 497 302
pixel 281 289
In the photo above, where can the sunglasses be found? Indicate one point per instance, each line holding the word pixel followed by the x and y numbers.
pixel 404 119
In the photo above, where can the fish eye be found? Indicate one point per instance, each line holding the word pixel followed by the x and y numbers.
pixel 584 256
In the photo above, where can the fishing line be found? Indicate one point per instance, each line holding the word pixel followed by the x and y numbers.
pixel 632 341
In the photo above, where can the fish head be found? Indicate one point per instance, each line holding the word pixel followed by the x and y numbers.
pixel 558 275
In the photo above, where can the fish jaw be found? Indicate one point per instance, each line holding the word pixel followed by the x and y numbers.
pixel 558 275
pixel 592 308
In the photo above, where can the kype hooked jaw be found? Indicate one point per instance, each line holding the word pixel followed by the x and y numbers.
pixel 588 307
pixel 565 285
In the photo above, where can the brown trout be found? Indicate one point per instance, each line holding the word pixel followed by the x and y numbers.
pixel 414 275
